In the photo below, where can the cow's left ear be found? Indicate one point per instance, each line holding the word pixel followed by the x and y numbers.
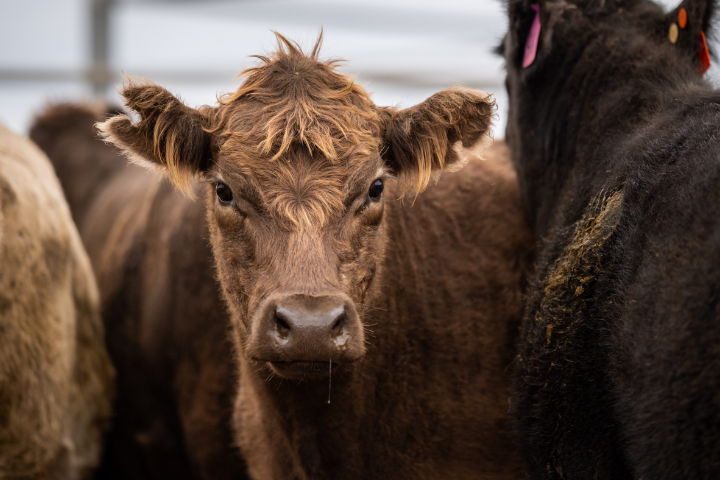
pixel 687 27
pixel 442 132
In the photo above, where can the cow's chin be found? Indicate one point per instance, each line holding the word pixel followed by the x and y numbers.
pixel 302 370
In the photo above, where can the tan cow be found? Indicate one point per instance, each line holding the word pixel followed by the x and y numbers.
pixel 55 374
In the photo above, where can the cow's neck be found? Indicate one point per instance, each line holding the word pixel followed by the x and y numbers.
pixel 310 421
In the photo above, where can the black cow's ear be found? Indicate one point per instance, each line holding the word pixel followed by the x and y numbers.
pixel 523 36
pixel 169 135
pixel 442 132
pixel 529 37
pixel 687 28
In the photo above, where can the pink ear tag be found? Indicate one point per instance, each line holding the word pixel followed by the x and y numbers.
pixel 532 40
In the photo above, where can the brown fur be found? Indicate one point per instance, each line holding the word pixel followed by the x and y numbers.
pixel 55 374
pixel 166 324
pixel 87 180
pixel 437 286
pixel 429 400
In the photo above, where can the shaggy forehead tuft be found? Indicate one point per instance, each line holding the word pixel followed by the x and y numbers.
pixel 293 98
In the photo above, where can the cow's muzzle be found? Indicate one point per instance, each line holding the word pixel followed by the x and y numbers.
pixel 297 333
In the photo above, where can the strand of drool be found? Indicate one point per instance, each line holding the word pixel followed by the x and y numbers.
pixel 330 381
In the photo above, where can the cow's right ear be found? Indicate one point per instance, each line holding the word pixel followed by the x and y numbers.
pixel 442 132
pixel 528 41
pixel 169 135
pixel 687 27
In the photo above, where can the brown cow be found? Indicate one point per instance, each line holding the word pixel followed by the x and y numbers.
pixel 55 373
pixel 371 336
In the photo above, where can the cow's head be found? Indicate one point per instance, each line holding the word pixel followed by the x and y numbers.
pixel 553 41
pixel 295 164
pixel 579 67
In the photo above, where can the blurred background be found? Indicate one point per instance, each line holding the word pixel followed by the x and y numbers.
pixel 401 50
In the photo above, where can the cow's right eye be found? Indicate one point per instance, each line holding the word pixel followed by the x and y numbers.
pixel 224 193
pixel 376 189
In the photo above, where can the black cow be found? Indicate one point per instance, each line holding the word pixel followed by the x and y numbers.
pixel 615 137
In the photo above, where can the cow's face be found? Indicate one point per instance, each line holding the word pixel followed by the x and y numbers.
pixel 297 242
pixel 296 164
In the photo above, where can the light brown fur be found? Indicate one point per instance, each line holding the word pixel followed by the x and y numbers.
pixel 55 375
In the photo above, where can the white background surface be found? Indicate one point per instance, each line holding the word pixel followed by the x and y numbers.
pixel 402 50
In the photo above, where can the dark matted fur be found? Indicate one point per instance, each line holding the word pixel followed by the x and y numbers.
pixel 615 138
pixel 437 283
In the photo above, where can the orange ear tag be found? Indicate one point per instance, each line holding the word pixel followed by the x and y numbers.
pixel 682 18
pixel 704 55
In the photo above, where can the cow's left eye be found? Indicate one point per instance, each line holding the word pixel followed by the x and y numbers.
pixel 376 189
pixel 224 193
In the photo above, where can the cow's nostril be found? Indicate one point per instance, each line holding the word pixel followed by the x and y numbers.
pixel 282 326
pixel 338 325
